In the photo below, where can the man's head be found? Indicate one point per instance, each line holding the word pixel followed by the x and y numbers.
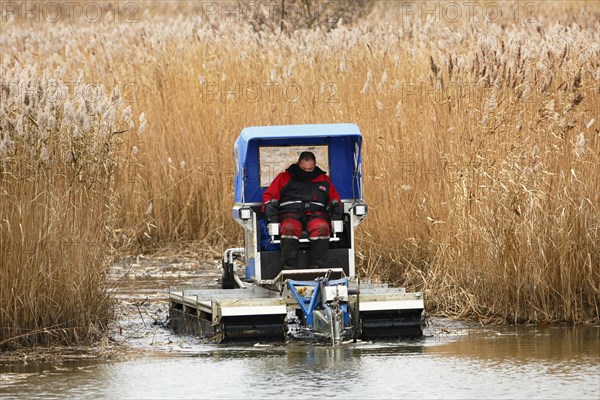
pixel 307 161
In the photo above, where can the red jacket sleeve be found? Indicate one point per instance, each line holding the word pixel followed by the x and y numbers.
pixel 333 194
pixel 274 189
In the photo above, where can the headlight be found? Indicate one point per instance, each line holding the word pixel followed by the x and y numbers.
pixel 245 213
pixel 360 210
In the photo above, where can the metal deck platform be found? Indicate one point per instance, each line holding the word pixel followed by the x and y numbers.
pixel 266 310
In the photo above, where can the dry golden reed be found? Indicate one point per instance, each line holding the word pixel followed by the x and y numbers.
pixel 57 205
pixel 481 140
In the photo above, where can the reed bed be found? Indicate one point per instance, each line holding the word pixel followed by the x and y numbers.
pixel 59 153
pixel 481 148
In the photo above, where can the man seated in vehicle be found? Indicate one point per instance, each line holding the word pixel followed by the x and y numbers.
pixel 303 197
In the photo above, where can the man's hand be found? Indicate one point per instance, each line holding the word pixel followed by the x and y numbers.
pixel 271 209
pixel 336 210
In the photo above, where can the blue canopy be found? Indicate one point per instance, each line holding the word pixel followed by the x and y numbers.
pixel 344 142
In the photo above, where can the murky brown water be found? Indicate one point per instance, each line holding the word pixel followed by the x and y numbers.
pixel 453 361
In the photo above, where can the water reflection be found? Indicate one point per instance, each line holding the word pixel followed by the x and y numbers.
pixel 525 344
pixel 500 362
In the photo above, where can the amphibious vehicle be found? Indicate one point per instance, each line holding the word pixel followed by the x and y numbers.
pixel 258 299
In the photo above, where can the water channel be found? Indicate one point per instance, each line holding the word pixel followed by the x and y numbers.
pixel 454 360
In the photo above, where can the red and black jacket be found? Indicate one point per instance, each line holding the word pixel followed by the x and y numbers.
pixel 299 191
